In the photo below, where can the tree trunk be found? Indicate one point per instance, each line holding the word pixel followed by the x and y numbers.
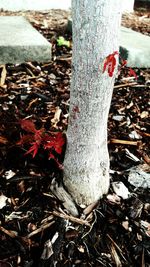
pixel 95 36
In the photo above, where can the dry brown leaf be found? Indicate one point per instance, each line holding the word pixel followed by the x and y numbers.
pixel 3 201
pixel 56 118
pixel 114 199
pixel 144 114
pixel 125 224
pixel 146 227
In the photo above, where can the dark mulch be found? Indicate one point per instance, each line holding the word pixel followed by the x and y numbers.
pixel 35 229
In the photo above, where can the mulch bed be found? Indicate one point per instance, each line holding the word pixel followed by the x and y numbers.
pixel 35 228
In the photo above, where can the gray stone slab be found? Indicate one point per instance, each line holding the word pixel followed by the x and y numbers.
pixel 135 47
pixel 16 5
pixel 20 42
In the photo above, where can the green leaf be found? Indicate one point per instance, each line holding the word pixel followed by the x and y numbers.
pixel 61 41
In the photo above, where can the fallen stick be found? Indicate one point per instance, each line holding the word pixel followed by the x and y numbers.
pixel 144 156
pixel 3 140
pixel 71 218
pixel 125 85
pixel 124 142
pixel 10 233
pixel 40 229
pixel 143 133
pixel 118 248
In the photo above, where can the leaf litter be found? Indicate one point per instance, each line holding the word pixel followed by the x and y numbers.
pixel 35 227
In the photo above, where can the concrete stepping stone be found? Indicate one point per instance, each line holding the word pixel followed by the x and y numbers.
pixel 16 5
pixel 135 47
pixel 20 42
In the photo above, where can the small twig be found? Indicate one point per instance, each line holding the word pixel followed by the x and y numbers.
pixel 71 218
pixel 49 218
pixel 10 233
pixel 30 65
pixel 40 229
pixel 114 243
pixel 20 178
pixel 3 75
pixel 115 256
pixel 49 195
pixel 22 205
pixel 143 133
pixel 4 95
pixel 91 207
pixel 128 78
pixel 63 58
pixel 3 140
pixel 29 72
pixel 125 85
pixel 143 259
pixel 142 85
pixel 32 78
pixel 124 142
pixel 31 103
pixel 91 226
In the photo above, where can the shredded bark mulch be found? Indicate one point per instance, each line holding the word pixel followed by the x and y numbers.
pixel 35 228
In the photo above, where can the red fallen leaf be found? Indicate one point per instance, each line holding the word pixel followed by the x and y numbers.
pixel 33 149
pixel 55 142
pixel 51 156
pixel 132 73
pixel 38 138
pixel 26 139
pixel 3 140
pixel 28 126
pixel 110 63
pixel 38 135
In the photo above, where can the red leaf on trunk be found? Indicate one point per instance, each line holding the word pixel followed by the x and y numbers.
pixel 110 63
pixel 123 62
pixel 132 73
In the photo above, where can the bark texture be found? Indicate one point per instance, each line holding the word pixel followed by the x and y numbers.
pixel 95 36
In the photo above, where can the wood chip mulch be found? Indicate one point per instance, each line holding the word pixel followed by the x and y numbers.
pixel 35 228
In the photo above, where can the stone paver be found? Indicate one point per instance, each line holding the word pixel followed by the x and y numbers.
pixel 16 5
pixel 135 47
pixel 20 42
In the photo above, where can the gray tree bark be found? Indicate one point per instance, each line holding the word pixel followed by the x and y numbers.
pixel 95 36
